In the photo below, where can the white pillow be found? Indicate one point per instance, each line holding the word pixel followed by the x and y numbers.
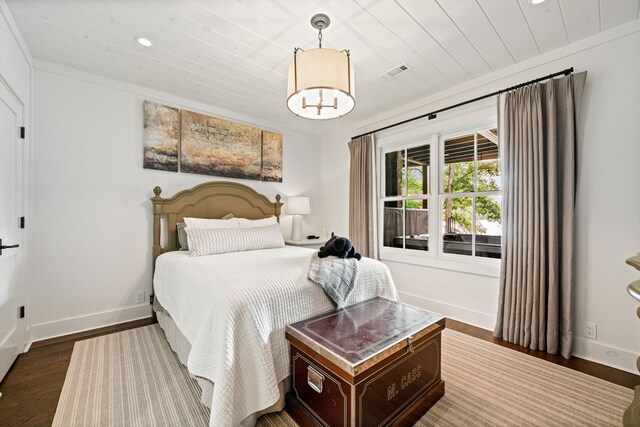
pixel 211 223
pixel 252 223
pixel 211 241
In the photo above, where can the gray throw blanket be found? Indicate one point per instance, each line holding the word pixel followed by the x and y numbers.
pixel 337 276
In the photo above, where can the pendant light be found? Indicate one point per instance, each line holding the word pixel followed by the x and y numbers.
pixel 320 80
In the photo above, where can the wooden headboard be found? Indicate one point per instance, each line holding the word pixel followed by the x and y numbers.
pixel 209 200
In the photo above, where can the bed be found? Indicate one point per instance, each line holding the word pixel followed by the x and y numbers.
pixel 224 315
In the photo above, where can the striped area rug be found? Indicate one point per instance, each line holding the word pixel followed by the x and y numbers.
pixel 132 378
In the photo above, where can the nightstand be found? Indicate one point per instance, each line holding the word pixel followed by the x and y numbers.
pixel 307 243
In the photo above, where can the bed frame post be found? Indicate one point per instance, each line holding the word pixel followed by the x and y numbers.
pixel 157 211
pixel 278 205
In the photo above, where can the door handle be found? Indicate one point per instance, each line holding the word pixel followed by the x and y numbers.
pixel 7 246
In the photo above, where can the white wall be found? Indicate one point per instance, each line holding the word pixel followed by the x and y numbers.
pixel 608 202
pixel 92 214
pixel 15 59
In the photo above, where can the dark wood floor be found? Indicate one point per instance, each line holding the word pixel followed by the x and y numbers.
pixel 31 389
pixel 606 373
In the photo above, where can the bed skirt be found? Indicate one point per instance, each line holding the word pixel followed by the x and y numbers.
pixel 182 347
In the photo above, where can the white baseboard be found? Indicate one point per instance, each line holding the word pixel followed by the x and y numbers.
pixel 475 318
pixel 604 354
pixel 72 325
pixel 582 347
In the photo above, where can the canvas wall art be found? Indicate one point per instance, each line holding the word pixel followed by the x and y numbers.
pixel 184 141
pixel 161 137
pixel 271 156
pixel 212 146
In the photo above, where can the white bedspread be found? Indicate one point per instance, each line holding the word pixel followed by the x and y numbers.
pixel 233 309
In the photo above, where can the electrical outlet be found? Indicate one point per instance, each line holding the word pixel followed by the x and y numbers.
pixel 590 330
pixel 140 297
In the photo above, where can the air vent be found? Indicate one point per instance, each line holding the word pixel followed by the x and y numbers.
pixel 398 69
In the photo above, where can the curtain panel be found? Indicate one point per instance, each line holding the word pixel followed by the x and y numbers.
pixel 362 196
pixel 538 139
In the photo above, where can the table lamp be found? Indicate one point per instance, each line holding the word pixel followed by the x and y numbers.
pixel 297 206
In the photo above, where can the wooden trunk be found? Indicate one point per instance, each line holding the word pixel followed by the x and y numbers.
pixel 375 363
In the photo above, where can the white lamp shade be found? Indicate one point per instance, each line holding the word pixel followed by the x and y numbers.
pixel 321 84
pixel 298 206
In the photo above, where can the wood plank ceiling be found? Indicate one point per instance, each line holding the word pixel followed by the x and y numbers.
pixel 235 54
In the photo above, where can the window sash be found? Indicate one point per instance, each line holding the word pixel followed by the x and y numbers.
pixel 404 196
pixel 473 197
pixel 405 170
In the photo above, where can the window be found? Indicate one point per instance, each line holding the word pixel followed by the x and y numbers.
pixel 450 212
pixel 470 195
pixel 405 212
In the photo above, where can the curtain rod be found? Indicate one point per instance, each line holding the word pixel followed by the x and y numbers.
pixel 432 115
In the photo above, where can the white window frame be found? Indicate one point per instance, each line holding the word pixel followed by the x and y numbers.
pixel 431 197
pixel 434 134
pixel 473 195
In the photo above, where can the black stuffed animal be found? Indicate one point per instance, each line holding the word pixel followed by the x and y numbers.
pixel 340 247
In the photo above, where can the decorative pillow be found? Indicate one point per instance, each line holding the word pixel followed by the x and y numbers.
pixel 183 239
pixel 253 223
pixel 212 223
pixel 182 236
pixel 224 240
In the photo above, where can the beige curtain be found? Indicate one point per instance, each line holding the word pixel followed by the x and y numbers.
pixel 538 140
pixel 362 196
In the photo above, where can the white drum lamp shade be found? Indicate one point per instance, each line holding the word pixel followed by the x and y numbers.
pixel 321 84
pixel 297 206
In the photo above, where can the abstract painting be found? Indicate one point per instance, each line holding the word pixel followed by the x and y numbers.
pixel 212 146
pixel 161 136
pixel 271 156
pixel 183 141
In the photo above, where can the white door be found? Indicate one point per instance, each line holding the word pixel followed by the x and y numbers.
pixel 10 211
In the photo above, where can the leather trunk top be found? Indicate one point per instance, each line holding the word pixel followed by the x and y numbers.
pixel 350 336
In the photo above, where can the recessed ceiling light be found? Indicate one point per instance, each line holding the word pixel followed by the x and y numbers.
pixel 144 42
pixel 536 1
